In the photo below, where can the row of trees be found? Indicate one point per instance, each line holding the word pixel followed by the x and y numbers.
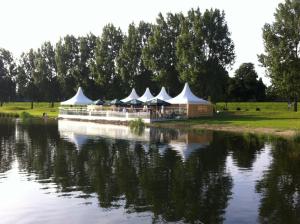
pixel 195 48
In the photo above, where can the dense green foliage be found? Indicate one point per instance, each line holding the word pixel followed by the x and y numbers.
pixel 204 50
pixel 7 73
pixel 195 48
pixel 282 54
pixel 245 85
pixel 137 126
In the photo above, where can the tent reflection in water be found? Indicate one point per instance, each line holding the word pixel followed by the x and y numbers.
pixel 194 106
pixel 184 143
pixel 79 133
pixel 187 143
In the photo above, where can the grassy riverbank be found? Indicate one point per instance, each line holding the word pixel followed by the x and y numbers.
pixel 37 111
pixel 242 117
pixel 265 118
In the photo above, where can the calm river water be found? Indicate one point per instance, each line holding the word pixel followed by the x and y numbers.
pixel 75 172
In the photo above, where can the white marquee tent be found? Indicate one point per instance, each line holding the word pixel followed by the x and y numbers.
pixel 132 96
pixel 187 97
pixel 163 95
pixel 146 96
pixel 78 99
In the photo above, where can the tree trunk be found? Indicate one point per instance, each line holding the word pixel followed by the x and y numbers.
pixel 1 104
pixel 52 104
pixel 295 103
pixel 31 104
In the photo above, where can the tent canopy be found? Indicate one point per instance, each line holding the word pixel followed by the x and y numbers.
pixel 116 102
pixel 187 97
pixel 99 102
pixel 163 95
pixel 78 99
pixel 146 96
pixel 156 102
pixel 134 102
pixel 133 95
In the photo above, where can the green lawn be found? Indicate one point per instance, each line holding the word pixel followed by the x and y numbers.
pixel 271 115
pixel 38 108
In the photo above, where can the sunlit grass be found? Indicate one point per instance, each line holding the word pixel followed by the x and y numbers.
pixel 37 111
pixel 270 115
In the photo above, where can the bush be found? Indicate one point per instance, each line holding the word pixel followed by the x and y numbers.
pixel 257 109
pixel 25 116
pixel 296 137
pixel 238 108
pixel 137 126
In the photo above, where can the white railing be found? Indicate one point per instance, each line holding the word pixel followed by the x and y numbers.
pixel 73 111
pixel 105 113
pixel 171 113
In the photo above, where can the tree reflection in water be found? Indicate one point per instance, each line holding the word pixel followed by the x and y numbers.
pixel 280 185
pixel 152 176
pixel 7 131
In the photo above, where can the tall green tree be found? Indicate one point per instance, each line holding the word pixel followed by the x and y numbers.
pixel 104 67
pixel 87 48
pixel 204 50
pixel 282 49
pixel 159 54
pixel 67 61
pixel 245 84
pixel 130 65
pixel 26 87
pixel 45 73
pixel 7 76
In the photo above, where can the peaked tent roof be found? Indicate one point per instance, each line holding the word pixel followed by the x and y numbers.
pixel 163 95
pixel 133 95
pixel 146 96
pixel 78 99
pixel 187 97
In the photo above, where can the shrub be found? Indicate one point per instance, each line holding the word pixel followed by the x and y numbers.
pixel 257 109
pixel 238 108
pixel 137 126
pixel 296 137
pixel 25 116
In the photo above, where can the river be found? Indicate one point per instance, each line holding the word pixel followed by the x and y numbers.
pixel 75 172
